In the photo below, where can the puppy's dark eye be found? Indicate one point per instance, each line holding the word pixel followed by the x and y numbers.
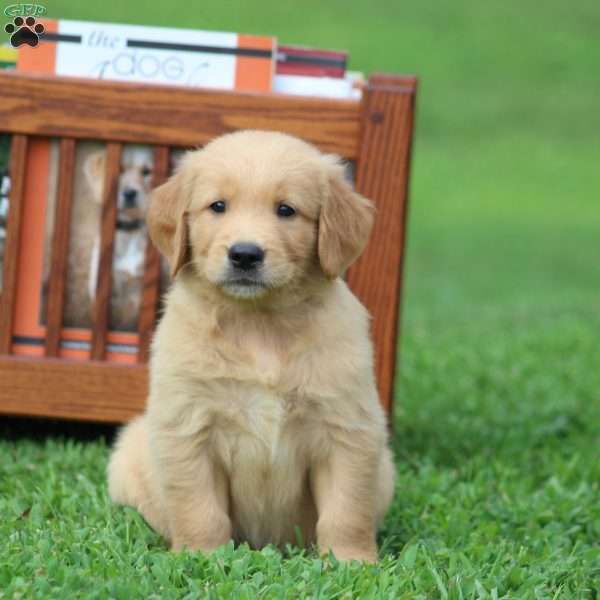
pixel 146 171
pixel 284 210
pixel 219 206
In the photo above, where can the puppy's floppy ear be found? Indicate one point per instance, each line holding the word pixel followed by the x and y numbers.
pixel 93 168
pixel 94 165
pixel 345 223
pixel 167 221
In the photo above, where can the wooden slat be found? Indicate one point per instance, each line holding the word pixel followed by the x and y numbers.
pixel 101 310
pixel 18 157
pixel 382 175
pixel 89 391
pixel 60 246
pixel 151 289
pixel 142 113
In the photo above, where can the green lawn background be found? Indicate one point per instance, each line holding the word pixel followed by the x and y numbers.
pixel 498 409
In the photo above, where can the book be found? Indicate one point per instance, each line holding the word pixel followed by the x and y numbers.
pixel 303 71
pixel 168 56
pixel 304 85
pixel 312 62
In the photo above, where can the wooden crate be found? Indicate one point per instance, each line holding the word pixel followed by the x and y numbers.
pixel 376 132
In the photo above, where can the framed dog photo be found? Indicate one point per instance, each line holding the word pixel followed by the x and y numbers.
pixel 8 59
pixel 40 196
pixel 4 197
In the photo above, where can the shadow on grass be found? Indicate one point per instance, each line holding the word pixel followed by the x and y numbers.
pixel 39 429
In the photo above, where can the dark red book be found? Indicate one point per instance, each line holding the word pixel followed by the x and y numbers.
pixel 299 60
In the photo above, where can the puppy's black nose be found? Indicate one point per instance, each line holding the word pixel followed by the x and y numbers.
pixel 130 196
pixel 246 256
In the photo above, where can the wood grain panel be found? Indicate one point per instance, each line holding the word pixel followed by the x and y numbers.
pixel 60 246
pixel 388 79
pixel 382 175
pixel 142 113
pixel 18 158
pixel 88 391
pixel 101 309
pixel 377 132
pixel 151 289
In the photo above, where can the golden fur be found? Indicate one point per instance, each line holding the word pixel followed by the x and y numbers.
pixel 263 419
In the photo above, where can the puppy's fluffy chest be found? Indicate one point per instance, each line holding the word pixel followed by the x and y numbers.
pixel 262 404
pixel 256 409
pixel 264 446
pixel 260 420
pixel 258 374
pixel 251 353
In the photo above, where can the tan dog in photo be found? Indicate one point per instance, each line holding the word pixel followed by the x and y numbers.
pixel 133 192
pixel 85 223
pixel 130 233
pixel 263 423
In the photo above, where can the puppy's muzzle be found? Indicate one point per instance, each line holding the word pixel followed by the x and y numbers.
pixel 246 256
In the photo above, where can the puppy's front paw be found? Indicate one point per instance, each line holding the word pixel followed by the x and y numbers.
pixel 199 531
pixel 344 553
pixel 181 545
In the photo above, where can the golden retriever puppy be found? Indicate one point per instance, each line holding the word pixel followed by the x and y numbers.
pixel 263 423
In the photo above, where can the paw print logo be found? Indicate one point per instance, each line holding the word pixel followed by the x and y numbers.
pixel 24 31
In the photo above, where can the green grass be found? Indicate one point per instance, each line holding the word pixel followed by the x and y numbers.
pixel 498 400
